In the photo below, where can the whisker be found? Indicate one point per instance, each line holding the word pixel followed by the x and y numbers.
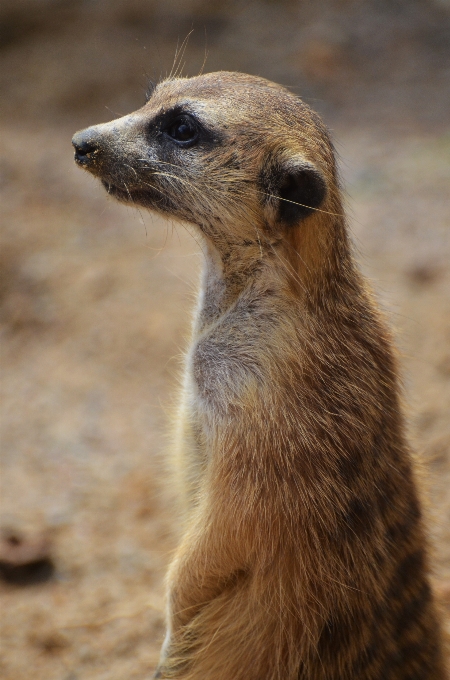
pixel 179 54
pixel 135 205
pixel 302 205
pixel 259 191
pixel 205 57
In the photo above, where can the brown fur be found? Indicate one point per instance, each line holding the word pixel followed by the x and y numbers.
pixel 304 554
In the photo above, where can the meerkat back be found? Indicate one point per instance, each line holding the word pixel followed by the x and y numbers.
pixel 304 555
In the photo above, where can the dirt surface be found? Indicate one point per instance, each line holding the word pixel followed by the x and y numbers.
pixel 95 298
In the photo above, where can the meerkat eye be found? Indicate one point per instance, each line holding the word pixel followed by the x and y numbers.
pixel 183 130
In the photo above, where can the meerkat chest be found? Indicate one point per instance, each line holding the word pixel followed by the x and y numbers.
pixel 238 355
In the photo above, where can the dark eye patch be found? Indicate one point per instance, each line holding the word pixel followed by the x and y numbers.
pixel 177 127
pixel 183 130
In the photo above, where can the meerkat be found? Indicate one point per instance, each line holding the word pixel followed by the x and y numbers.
pixel 304 555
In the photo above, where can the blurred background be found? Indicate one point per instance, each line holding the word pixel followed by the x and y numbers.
pixel 95 297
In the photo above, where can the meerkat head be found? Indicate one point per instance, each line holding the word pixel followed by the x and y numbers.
pixel 228 152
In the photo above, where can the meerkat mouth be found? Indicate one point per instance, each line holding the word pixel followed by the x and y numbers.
pixel 148 198
pixel 121 193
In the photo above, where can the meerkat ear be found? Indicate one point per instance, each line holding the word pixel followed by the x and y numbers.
pixel 300 191
pixel 293 189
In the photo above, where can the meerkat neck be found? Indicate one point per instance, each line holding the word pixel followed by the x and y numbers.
pixel 314 261
pixel 227 271
pixel 319 254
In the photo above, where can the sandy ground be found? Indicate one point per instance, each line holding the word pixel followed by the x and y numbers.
pixel 95 303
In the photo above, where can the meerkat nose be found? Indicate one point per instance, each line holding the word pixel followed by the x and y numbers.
pixel 85 146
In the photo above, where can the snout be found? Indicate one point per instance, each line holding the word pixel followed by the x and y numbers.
pixel 115 152
pixel 86 145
